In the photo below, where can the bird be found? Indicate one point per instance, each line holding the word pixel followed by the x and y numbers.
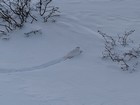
pixel 73 53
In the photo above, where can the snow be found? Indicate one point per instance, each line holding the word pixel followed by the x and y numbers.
pixel 83 80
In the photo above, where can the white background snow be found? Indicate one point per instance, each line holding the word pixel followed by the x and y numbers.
pixel 83 80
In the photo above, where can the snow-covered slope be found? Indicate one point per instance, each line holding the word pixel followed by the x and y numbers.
pixel 84 80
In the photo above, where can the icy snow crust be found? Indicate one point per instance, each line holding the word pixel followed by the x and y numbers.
pixel 83 80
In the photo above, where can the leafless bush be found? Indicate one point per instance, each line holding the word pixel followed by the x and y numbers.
pixel 124 39
pixel 14 13
pixel 117 50
pixel 42 6
pixel 2 32
pixel 5 37
pixel 46 11
pixel 33 32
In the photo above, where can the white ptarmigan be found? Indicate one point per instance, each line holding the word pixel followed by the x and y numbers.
pixel 73 53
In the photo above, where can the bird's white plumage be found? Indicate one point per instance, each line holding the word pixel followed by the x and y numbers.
pixel 73 53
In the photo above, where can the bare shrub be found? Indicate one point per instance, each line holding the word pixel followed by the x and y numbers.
pixel 33 32
pixel 14 13
pixel 124 39
pixel 117 49
pixel 46 11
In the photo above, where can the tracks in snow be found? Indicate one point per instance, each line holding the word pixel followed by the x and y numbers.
pixel 71 54
pixel 50 63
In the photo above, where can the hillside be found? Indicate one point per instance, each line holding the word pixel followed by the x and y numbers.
pixel 86 79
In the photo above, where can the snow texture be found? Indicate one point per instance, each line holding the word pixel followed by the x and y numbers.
pixel 84 80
